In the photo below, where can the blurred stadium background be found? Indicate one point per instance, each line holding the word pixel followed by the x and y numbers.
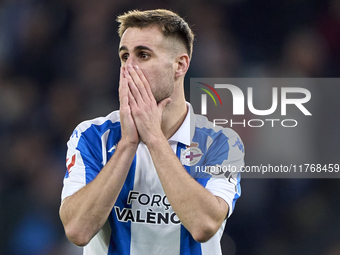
pixel 59 66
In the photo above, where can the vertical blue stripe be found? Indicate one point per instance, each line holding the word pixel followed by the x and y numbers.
pixel 188 246
pixel 120 242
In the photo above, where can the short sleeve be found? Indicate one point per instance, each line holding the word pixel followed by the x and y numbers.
pixel 82 162
pixel 225 161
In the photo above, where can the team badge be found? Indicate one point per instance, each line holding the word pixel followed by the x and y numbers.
pixel 191 155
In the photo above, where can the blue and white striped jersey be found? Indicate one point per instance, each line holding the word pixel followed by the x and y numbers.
pixel 142 220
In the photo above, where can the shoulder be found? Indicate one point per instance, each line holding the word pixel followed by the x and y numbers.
pixel 99 122
pixel 217 140
pixel 205 127
pixel 95 128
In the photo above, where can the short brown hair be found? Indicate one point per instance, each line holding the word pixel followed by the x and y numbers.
pixel 170 23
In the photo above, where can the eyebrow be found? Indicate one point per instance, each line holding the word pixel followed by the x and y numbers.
pixel 139 47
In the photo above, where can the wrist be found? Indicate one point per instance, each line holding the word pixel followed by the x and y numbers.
pixel 155 141
pixel 125 144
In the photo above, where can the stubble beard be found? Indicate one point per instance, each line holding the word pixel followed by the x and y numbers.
pixel 165 90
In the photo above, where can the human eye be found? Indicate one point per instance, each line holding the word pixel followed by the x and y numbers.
pixel 143 55
pixel 124 57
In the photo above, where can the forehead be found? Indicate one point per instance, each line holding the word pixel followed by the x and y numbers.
pixel 151 37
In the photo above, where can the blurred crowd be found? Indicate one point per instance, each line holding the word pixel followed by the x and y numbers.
pixel 59 66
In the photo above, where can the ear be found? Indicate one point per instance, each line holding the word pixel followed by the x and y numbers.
pixel 182 65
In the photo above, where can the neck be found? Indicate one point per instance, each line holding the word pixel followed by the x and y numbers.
pixel 173 115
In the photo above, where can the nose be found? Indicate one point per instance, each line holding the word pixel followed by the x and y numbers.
pixel 131 61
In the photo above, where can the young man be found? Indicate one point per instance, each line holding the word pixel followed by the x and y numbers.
pixel 128 188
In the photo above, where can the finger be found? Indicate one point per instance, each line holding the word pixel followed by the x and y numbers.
pixel 120 77
pixel 140 84
pixel 162 104
pixel 121 81
pixel 123 95
pixel 123 89
pixel 121 74
pixel 132 100
pixel 133 88
pixel 145 82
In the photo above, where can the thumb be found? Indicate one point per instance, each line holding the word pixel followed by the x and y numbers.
pixel 163 103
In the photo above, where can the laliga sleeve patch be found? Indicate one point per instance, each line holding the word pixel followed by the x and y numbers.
pixel 71 164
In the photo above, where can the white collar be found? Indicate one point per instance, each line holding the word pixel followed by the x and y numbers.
pixel 186 131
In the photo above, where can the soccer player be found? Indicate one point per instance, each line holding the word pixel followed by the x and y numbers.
pixel 128 188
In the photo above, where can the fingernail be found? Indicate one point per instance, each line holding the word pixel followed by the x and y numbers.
pixel 136 67
pixel 129 66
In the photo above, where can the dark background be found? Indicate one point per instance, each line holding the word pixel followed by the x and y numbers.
pixel 59 66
